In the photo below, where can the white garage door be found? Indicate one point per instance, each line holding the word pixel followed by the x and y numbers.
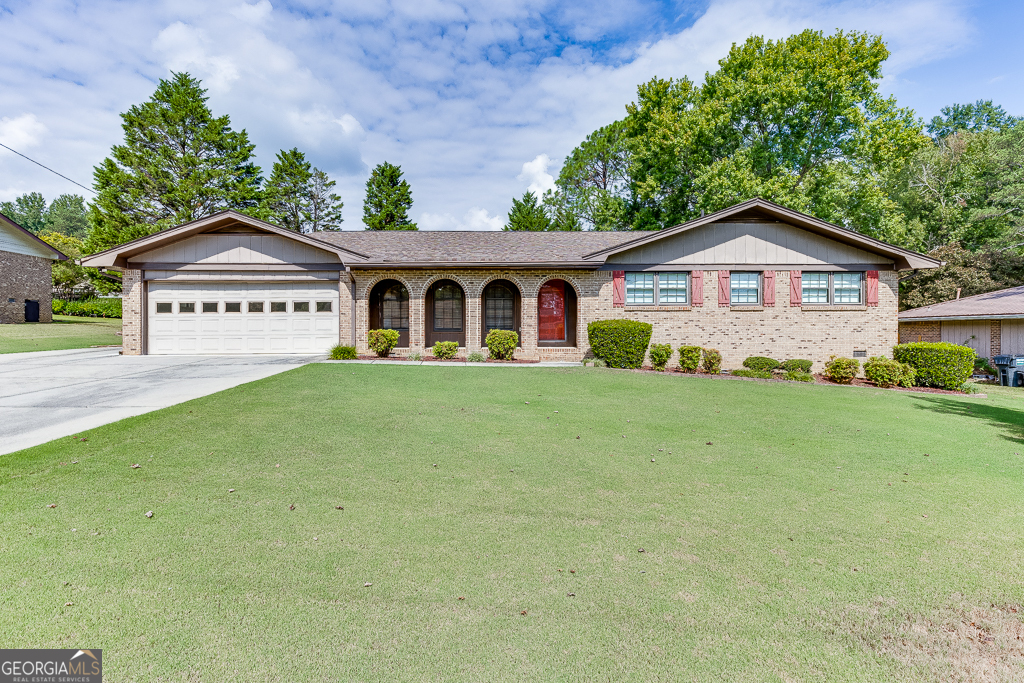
pixel 977 335
pixel 1012 337
pixel 244 317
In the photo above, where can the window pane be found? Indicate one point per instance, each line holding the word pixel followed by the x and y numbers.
pixel 672 288
pixel 300 306
pixel 814 288
pixel 744 288
pixel 255 306
pixel 847 287
pixel 395 308
pixel 323 306
pixel 448 309
pixel 233 307
pixel 499 308
pixel 278 306
pixel 209 307
pixel 187 308
pixel 639 288
pixel 163 308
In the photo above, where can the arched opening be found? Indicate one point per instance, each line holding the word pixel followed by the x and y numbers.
pixel 556 314
pixel 446 313
pixel 389 309
pixel 501 308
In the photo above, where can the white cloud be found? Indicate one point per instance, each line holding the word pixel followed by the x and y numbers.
pixel 474 219
pixel 21 132
pixel 536 174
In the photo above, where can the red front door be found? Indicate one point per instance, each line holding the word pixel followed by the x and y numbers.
pixel 551 312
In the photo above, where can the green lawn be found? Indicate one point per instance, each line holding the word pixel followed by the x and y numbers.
pixel 788 532
pixel 65 332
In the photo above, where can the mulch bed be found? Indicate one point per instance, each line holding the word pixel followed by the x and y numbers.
pixel 402 359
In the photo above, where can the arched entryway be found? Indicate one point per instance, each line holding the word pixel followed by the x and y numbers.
pixel 556 314
pixel 501 306
pixel 389 309
pixel 446 313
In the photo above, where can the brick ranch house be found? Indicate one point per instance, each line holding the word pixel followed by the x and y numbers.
pixel 26 286
pixel 754 279
pixel 992 324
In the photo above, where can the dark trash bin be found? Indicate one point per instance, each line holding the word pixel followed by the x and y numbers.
pixel 1011 370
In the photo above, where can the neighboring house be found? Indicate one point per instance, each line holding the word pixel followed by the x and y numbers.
pixel 26 287
pixel 992 324
pixel 755 279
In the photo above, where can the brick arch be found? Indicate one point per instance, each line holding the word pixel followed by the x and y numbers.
pixel 573 282
pixel 380 278
pixel 443 276
pixel 478 294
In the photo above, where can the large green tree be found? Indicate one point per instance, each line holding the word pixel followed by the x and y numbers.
pixel 594 183
pixel 527 215
pixel 178 163
pixel 27 210
pixel 970 272
pixel 388 200
pixel 323 210
pixel 286 192
pixel 65 215
pixel 977 117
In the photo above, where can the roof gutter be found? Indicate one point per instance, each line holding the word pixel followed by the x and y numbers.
pixel 405 265
pixel 983 316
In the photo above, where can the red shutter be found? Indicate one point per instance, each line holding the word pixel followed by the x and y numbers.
pixel 795 288
pixel 723 288
pixel 618 288
pixel 872 293
pixel 769 288
pixel 697 285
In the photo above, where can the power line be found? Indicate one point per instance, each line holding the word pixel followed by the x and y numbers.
pixel 87 189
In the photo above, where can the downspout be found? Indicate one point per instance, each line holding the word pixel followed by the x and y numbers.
pixel 352 314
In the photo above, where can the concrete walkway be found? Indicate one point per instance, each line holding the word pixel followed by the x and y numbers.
pixel 45 395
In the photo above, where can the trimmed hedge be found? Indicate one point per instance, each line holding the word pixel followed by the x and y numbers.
pixel 761 363
pixel 342 353
pixel 712 362
pixel 501 344
pixel 619 343
pixel 938 364
pixel 841 370
pixel 796 365
pixel 660 353
pixel 445 350
pixel 90 308
pixel 886 372
pixel 689 358
pixel 382 341
pixel 747 372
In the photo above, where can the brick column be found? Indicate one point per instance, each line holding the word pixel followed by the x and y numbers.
pixel 132 312
pixel 996 338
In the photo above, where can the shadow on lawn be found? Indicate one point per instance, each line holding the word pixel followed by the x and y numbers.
pixel 1008 419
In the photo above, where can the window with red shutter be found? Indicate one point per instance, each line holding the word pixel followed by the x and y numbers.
pixel 769 288
pixel 795 288
pixel 697 287
pixel 872 288
pixel 723 288
pixel 618 288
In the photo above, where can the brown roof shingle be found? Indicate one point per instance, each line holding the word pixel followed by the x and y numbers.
pixel 1001 303
pixel 498 247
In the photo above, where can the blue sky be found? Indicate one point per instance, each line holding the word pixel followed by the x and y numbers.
pixel 476 101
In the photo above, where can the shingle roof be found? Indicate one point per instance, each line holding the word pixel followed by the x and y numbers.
pixel 1002 303
pixel 500 247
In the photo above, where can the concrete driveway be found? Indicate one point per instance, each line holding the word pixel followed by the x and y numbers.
pixel 45 395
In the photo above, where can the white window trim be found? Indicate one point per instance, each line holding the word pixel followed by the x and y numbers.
pixel 760 287
pixel 657 290
pixel 832 289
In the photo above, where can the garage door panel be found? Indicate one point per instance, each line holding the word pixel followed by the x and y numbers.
pixel 256 331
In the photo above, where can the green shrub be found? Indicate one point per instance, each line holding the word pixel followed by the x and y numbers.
pixel 90 308
pixel 689 358
pixel 981 366
pixel 886 372
pixel 476 356
pixel 382 341
pixel 415 356
pixel 445 350
pixel 660 353
pixel 501 344
pixel 340 352
pixel 796 365
pixel 761 363
pixel 798 376
pixel 746 372
pixel 938 364
pixel 841 370
pixel 598 363
pixel 619 343
pixel 712 362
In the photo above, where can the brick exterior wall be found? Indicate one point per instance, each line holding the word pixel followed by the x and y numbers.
pixel 22 277
pixel 132 313
pixel 996 338
pixel 781 331
pixel 926 331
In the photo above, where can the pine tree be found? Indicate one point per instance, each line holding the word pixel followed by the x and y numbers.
pixel 178 163
pixel 66 216
pixel 388 200
pixel 286 194
pixel 324 207
pixel 527 215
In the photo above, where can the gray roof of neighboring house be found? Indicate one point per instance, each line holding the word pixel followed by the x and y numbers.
pixel 1004 303
pixel 402 247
